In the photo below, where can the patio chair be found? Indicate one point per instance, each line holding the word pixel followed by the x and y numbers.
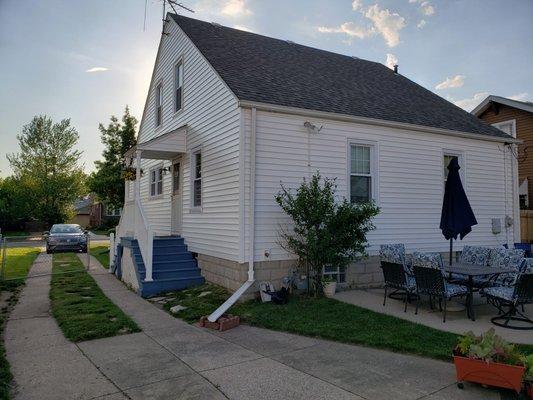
pixel 396 273
pixel 475 255
pixel 512 297
pixel 429 276
pixel 503 258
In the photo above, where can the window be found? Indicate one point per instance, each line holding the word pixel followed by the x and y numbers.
pixel 447 157
pixel 337 273
pixel 508 127
pixel 176 177
pixel 197 180
pixel 158 104
pixel 361 173
pixel 156 181
pixel 178 86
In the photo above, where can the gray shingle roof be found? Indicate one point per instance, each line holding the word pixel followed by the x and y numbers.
pixel 262 69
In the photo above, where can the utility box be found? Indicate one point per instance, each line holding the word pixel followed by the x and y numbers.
pixel 496 226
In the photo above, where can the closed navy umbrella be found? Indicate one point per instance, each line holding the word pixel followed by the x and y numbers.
pixel 457 217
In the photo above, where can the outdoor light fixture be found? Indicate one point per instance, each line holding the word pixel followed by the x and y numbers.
pixel 165 170
pixel 312 128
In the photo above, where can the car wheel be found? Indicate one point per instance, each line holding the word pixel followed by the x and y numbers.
pixel 84 250
pixel 48 251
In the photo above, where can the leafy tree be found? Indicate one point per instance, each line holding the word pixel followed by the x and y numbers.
pixel 47 169
pixel 325 231
pixel 14 208
pixel 118 137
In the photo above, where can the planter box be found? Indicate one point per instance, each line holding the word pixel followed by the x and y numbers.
pixel 491 374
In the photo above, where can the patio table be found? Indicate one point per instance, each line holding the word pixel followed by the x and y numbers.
pixel 471 271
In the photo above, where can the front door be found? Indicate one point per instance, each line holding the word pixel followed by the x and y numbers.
pixel 176 204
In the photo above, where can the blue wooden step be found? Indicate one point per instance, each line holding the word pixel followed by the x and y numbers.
pixel 150 289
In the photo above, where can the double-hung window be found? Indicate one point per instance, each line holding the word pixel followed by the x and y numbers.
pixel 447 157
pixel 362 174
pixel 156 181
pixel 159 104
pixel 178 86
pixel 197 179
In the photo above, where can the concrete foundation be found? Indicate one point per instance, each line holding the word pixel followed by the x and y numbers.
pixel 362 274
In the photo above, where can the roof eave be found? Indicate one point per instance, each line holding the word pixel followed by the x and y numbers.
pixel 373 121
pixel 481 107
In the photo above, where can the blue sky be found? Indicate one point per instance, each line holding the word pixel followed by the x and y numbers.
pixel 87 59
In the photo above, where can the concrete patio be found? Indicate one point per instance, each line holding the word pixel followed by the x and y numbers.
pixel 456 321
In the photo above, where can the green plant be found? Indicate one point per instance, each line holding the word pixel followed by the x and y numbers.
pixel 325 230
pixel 489 347
pixel 528 363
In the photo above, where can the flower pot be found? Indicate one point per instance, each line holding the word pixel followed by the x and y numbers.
pixel 489 373
pixel 330 288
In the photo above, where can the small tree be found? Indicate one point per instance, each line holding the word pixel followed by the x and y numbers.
pixel 47 169
pixel 325 231
pixel 107 181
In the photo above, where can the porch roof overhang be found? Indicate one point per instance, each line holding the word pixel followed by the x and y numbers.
pixel 164 147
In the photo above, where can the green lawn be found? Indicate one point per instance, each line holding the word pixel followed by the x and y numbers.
pixel 101 253
pixel 80 307
pixel 327 319
pixel 19 261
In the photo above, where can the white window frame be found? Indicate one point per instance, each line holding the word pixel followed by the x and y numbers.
pixel 462 163
pixel 509 121
pixel 178 84
pixel 158 97
pixel 158 170
pixel 194 154
pixel 374 167
pixel 336 274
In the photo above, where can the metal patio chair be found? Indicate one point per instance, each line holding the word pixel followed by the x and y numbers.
pixel 512 298
pixel 429 276
pixel 396 273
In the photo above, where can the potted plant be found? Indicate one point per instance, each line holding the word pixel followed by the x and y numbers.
pixel 528 376
pixel 488 360
pixel 330 286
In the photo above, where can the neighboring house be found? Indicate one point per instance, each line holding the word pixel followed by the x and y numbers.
pixel 231 114
pixel 82 208
pixel 94 214
pixel 515 118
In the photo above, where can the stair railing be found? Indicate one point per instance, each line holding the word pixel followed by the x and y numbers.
pixel 145 237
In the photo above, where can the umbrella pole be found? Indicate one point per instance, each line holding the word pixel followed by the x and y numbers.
pixel 451 248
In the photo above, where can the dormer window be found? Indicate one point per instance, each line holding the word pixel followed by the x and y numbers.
pixel 158 104
pixel 178 86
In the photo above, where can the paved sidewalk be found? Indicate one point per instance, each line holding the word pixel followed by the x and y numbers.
pixel 170 359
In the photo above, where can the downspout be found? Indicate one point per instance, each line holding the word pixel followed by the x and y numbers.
pixel 251 230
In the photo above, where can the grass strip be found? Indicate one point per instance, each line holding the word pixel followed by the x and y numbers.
pixel 101 253
pixel 81 309
pixel 18 262
pixel 327 319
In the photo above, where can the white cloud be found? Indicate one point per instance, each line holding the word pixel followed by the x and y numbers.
pixel 348 28
pixel 520 96
pixel 242 28
pixel 97 69
pixel 392 60
pixel 455 82
pixel 470 103
pixel 421 24
pixel 235 8
pixel 414 1
pixel 386 23
pixel 427 8
pixel 357 5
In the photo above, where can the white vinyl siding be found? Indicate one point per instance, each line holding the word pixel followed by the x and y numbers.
pixel 212 117
pixel 409 183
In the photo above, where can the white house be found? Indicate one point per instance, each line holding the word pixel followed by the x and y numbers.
pixel 231 114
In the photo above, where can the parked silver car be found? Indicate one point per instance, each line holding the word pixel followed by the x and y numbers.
pixel 66 237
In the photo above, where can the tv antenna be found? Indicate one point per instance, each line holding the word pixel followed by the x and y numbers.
pixel 173 4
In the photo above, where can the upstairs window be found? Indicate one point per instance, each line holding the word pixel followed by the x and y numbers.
pixel 361 173
pixel 178 86
pixel 158 104
pixel 448 156
pixel 197 180
pixel 508 127
pixel 156 181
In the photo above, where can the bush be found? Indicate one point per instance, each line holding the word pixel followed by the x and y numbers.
pixel 325 231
